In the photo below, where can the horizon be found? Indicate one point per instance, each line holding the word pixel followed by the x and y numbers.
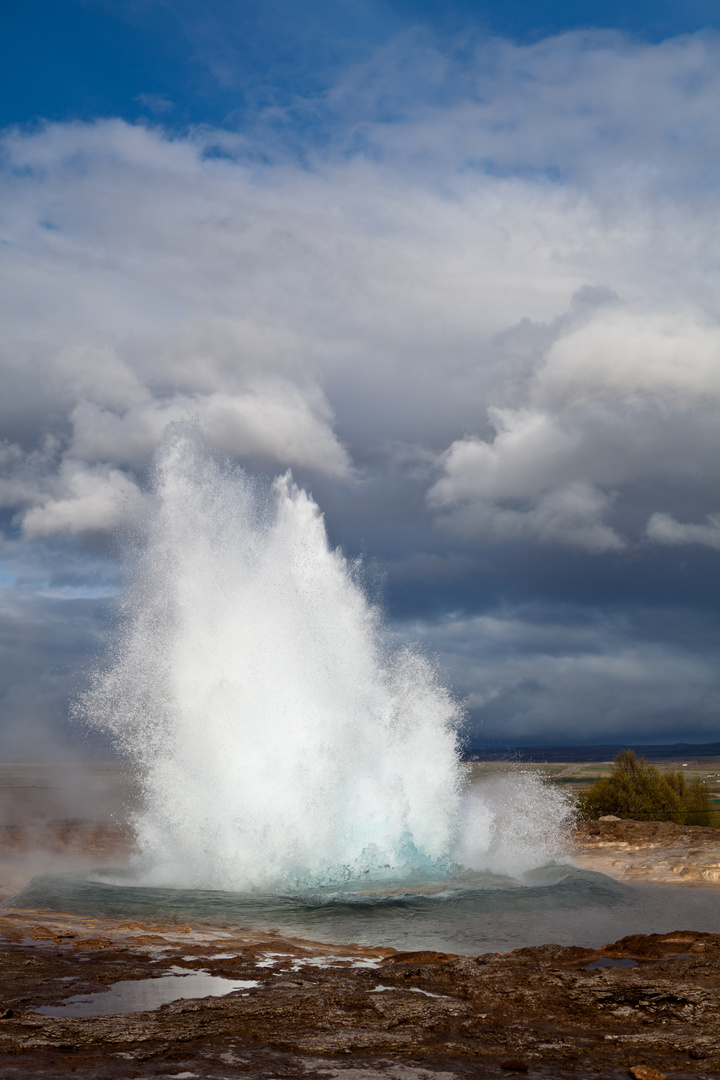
pixel 455 268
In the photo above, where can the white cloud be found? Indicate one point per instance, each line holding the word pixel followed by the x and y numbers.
pixel 571 516
pixel 272 421
pixel 608 395
pixel 666 530
pixel 633 355
pixel 530 461
pixel 312 316
pixel 596 107
pixel 525 456
pixel 87 501
pixel 96 374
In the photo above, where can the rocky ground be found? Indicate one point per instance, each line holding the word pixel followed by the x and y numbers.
pixel 357 1014
pixel 653 851
pixel 646 1006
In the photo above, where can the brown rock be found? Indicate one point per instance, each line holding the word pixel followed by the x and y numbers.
pixel 659 851
pixel 317 1008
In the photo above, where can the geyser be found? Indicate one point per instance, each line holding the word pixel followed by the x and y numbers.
pixel 280 741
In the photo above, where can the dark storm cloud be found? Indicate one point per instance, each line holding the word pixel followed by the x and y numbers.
pixel 478 318
pixel 562 671
pixel 43 633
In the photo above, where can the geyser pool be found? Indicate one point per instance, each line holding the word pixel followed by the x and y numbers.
pixel 472 913
pixel 280 741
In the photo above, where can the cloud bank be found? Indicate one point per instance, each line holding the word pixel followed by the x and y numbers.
pixel 476 312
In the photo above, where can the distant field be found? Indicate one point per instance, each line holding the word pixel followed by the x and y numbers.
pixel 47 792
pixel 577 776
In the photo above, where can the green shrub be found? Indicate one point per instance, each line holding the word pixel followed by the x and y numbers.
pixel 635 789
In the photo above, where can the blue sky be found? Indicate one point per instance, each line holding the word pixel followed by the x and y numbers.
pixel 456 265
pixel 222 61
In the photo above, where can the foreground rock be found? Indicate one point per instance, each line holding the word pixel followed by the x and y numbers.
pixel 653 851
pixel 356 1014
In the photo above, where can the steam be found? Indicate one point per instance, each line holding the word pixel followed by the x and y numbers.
pixel 279 739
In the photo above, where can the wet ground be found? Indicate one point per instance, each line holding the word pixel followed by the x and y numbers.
pixel 87 997
pixel 296 1009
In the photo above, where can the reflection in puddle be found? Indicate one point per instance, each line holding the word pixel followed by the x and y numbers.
pixel 610 962
pixel 143 995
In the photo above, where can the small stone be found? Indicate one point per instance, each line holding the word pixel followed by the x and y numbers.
pixel 514 1066
pixel 646 1072
pixel 609 817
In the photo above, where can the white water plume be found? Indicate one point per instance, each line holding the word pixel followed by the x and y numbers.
pixel 280 741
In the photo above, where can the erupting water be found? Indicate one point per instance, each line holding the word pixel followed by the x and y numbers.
pixel 280 741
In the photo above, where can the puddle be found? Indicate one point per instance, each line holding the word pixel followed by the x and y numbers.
pixel 380 989
pixel 610 962
pixel 316 962
pixel 427 993
pixel 144 995
pixel 270 959
pixel 214 956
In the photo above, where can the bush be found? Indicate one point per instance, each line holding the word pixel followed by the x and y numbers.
pixel 635 789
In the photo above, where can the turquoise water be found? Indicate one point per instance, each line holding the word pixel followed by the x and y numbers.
pixel 475 914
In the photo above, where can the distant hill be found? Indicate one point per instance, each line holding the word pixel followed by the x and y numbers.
pixel 591 752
